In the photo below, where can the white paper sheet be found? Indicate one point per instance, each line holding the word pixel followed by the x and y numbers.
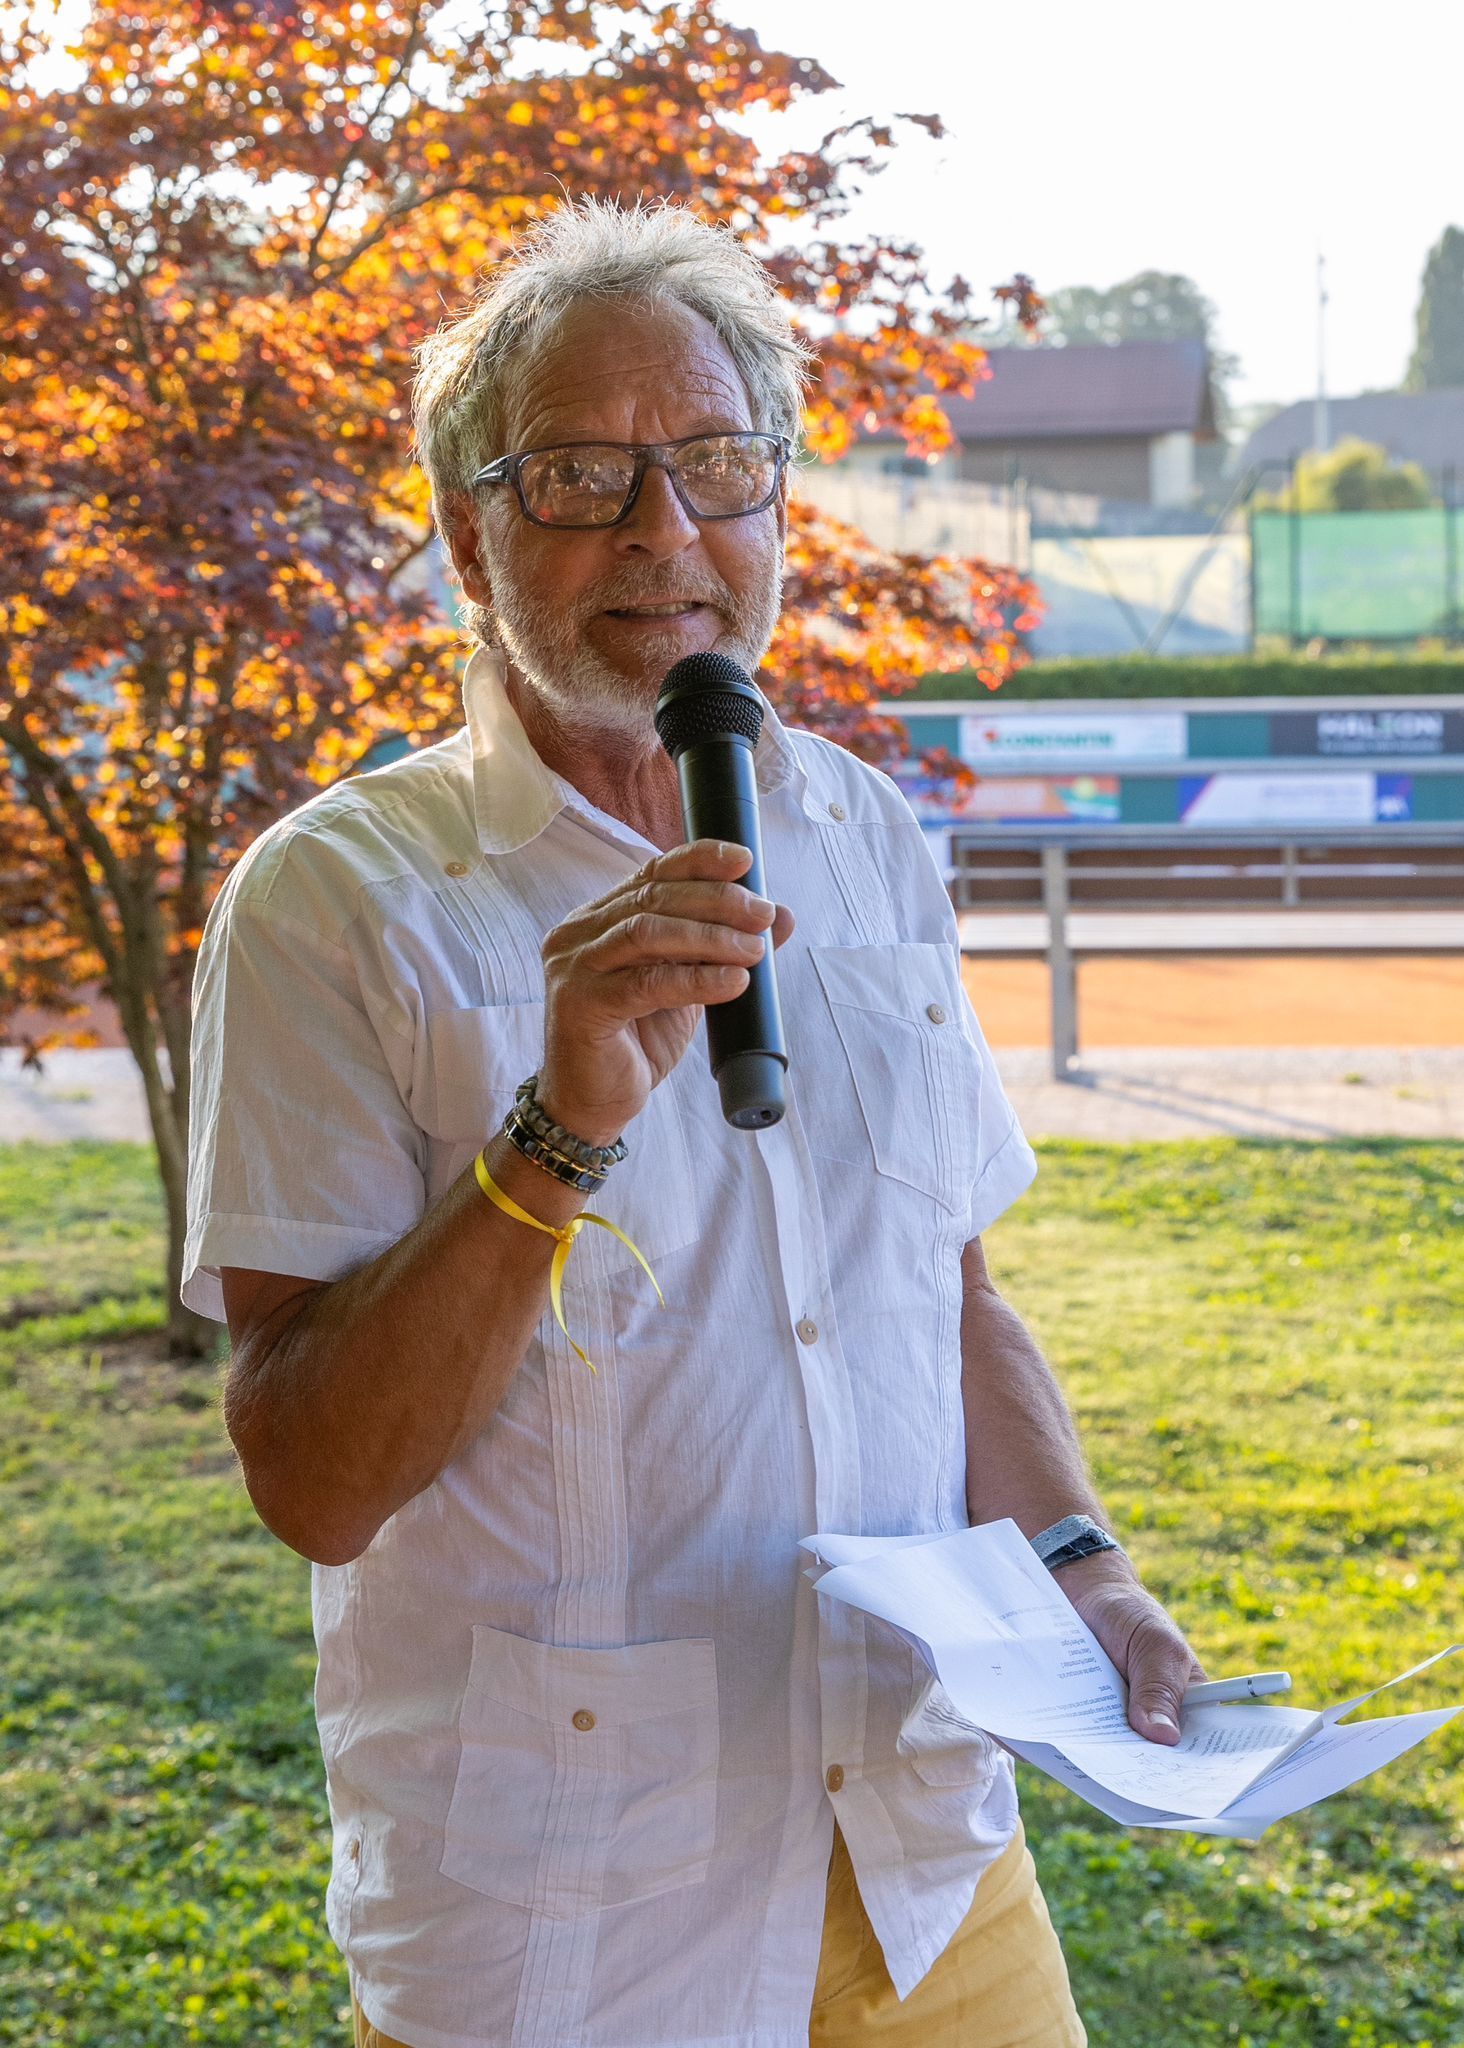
pixel 1017 1660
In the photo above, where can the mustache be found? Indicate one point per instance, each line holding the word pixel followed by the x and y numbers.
pixel 634 587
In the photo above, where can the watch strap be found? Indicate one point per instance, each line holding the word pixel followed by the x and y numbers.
pixel 1073 1537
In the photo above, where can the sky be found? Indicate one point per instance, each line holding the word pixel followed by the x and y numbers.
pixel 1087 142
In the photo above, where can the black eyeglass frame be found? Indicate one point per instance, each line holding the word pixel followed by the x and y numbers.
pixel 504 469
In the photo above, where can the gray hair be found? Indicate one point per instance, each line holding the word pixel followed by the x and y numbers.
pixel 593 249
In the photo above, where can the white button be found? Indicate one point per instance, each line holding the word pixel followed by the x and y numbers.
pixel 807 1331
pixel 838 811
pixel 457 867
pixel 935 1013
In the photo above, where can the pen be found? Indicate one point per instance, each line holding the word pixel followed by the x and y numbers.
pixel 1258 1685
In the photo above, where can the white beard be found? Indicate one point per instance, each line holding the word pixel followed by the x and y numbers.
pixel 588 694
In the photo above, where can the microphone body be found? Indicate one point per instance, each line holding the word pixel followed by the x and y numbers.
pixel 708 716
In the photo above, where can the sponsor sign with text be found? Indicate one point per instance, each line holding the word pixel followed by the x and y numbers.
pixel 1098 736
pixel 1298 800
pixel 1368 731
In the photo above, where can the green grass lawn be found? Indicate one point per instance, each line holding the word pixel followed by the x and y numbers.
pixel 1263 1345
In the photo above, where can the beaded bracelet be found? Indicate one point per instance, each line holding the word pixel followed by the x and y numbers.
pixel 535 1121
pixel 546 1157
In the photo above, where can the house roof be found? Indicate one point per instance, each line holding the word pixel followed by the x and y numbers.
pixel 1426 427
pixel 1125 389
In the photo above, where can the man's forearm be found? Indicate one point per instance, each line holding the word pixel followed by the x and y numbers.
pixel 361 1392
pixel 1023 1458
pixel 1023 1461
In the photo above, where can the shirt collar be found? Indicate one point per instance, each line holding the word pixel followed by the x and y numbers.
pixel 515 795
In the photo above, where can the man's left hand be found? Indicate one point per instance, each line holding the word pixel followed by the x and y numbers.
pixel 1147 1648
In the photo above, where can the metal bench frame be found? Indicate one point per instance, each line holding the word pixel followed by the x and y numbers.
pixel 1398 863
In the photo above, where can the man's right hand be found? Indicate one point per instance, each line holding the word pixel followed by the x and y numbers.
pixel 626 978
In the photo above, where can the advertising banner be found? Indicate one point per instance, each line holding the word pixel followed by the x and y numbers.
pixel 1049 736
pixel 1302 799
pixel 1015 799
pixel 1368 730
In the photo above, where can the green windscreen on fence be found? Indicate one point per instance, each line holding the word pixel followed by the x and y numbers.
pixel 1358 575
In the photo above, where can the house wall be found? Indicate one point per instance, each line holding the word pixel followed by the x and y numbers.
pixel 1101 467
pixel 1108 467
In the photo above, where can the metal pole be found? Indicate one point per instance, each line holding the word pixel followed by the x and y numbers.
pixel 1294 535
pixel 1061 968
pixel 1451 559
pixel 1290 879
pixel 1245 492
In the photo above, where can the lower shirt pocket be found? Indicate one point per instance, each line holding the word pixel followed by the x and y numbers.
pixel 586 1778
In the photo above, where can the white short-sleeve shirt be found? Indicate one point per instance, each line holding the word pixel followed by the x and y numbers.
pixel 586 1725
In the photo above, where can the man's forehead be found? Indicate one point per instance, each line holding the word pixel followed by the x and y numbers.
pixel 609 363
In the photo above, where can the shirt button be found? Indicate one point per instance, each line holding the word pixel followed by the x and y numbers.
pixel 807 1331
pixel 838 811
pixel 457 867
pixel 834 1777
pixel 583 1719
pixel 935 1013
pixel 355 1852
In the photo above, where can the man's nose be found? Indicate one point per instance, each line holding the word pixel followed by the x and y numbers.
pixel 659 525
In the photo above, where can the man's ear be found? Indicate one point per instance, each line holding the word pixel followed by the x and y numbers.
pixel 460 530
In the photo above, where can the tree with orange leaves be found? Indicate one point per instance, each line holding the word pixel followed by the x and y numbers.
pixel 222 239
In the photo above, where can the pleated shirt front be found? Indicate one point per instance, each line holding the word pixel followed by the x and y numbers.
pixel 586 1724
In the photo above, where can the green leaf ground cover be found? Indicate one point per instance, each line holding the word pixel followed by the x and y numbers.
pixel 1263 1345
pixel 1115 677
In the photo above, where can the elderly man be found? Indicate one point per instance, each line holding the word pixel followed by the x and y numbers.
pixel 602 1769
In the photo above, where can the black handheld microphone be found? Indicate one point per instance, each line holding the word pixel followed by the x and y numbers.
pixel 708 716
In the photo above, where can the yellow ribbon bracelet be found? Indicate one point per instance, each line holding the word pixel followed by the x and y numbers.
pixel 565 1234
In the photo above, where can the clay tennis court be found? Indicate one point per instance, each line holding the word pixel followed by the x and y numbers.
pixel 1320 999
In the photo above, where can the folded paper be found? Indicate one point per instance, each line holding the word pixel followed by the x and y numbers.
pixel 1017 1660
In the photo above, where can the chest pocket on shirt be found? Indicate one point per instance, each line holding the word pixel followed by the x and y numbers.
pixel 913 1088
pixel 587 1778
pixel 468 1067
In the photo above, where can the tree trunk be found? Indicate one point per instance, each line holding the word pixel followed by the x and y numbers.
pixel 190 1335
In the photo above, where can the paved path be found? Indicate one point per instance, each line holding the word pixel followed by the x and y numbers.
pixel 1219 931
pixel 90 1094
pixel 1160 1092
pixel 1152 1092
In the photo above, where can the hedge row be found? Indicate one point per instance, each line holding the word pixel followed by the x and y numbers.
pixel 1276 675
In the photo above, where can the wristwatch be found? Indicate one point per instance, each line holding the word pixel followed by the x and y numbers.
pixel 1073 1537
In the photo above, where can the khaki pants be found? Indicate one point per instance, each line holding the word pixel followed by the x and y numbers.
pixel 1001 1983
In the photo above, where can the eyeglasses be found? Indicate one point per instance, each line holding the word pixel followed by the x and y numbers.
pixel 596 483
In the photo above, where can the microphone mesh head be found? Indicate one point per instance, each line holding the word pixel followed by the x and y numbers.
pixel 706 696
